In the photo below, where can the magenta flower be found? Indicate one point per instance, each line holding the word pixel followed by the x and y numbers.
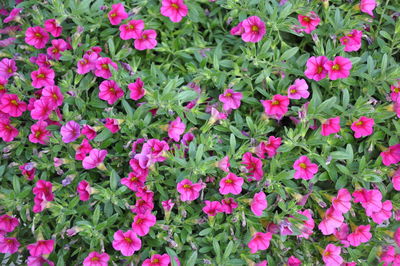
pixel 41 247
pixel 253 165
pixel 84 190
pixel 96 259
pixel 224 164
pixel 103 67
pixel 8 245
pixel 391 155
pixel 332 220
pixel 330 126
pixel 8 223
pixel 94 159
pixel 133 181
pixel 8 68
pixel 298 90
pixel 352 41
pixel 53 94
pixel 57 47
pixel 175 10
pixel 293 261
pixel 53 27
pixel 342 202
pixel 42 77
pixel 38 261
pixel 44 188
pixel 315 68
pixel 117 14
pixel 341 234
pixel 70 131
pixel 331 255
pixel 37 37
pixel 360 235
pixel 188 191
pixel 259 203
pixel 13 14
pixel 89 132
pixel 230 99
pixel 310 22
pixel 147 40
pixel 270 147
pixel 167 205
pixel 339 68
pixel 231 184
pixel 228 205
pixel 126 242
pixel 396 180
pixel 142 223
pixel 277 107
pixel 132 30
pixel 7 131
pixel 212 208
pixel 304 168
pixel 369 199
pixel 42 109
pixel 259 241
pixel 308 225
pixel 110 91
pixel 39 133
pixel 384 214
pixel 157 260
pixel 237 30
pixel 367 6
pixel 254 29
pixel 176 129
pixel 88 63
pixel 388 255
pixel 363 127
pixel 137 90
pixel 11 105
pixel 112 124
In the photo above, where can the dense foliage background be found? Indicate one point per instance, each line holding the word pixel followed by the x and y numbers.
pixel 200 49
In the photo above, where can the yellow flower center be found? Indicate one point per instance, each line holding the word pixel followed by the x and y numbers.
pixel 293 91
pixel 303 165
pixel 275 103
pixel 228 94
pixel 187 186
pixel 306 19
pixel 40 76
pixel 359 123
pixel 113 15
pixel 175 6
pixel 104 66
pixel 254 28
pixel 335 67
pixel 14 102
pixel 229 181
pixel 127 239
pixel 95 259
pixel 38 35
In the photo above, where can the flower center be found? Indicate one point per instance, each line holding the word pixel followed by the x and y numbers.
pixel 113 15
pixel 175 6
pixel 55 97
pixel 397 90
pixel 144 37
pixel 229 181
pixel 306 19
pixel 38 35
pixel 345 40
pixel 112 89
pixel 187 186
pixel 303 165
pixel 9 70
pixel 95 259
pixel 254 28
pixel 14 102
pixel 132 27
pixel 275 103
pixel 327 253
pixel 155 261
pixel 139 221
pixel 40 76
pixel 84 62
pixel 335 67
pixel 293 91
pixel 350 35
pixel 319 70
pixel 228 94
pixel 104 66
pixel 9 241
pixel 55 50
pixel 37 134
pixel 127 239
pixel 359 123
pixel 133 179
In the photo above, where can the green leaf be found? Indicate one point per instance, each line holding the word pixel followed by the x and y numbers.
pixel 289 53
pixel 128 109
pixel 199 153
pixel 96 215
pixel 228 250
pixel 16 184
pixel 114 179
pixel 192 259
pixel 217 250
pixel 232 143
pixel 105 134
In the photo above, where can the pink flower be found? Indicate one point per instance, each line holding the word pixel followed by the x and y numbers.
pixel 369 199
pixel 126 242
pixel 388 255
pixel 133 181
pixel 254 29
pixel 360 235
pixel 342 202
pixel 42 77
pixel 28 170
pixel 103 67
pixel 132 30
pixel 41 247
pixel 53 27
pixel 9 245
pixel 270 147
pixel 3 83
pixel 352 41
pixel 363 127
pixel 8 223
pixel 212 208
pixel 142 223
pixel 259 241
pixel 137 90
pixel 309 22
pixel 70 131
pixel 38 261
pixel 397 236
pixel 84 190
pixel 7 131
pixel 293 261
pixel 96 259
pixel 57 47
pixel 231 99
pixel 391 155
pixel 117 14
pixel 384 214
pixel 237 30
pixel 53 94
pixel 176 129
pixel 94 159
pixel 110 91
pixel 259 203
pixel 395 92
pixel 167 205
pixel 174 9
pixel 308 225
pixel 188 191
pixel 147 40
pixel 42 109
pixel 367 6
pixel 330 126
pixel 298 90
pixel 13 14
pixel 276 107
pixel 341 234
pixel 11 105
pixel 339 68
pixel 231 184
pixel 42 60
pixel 331 255
pixel 224 164
pixel 332 220
pixel 157 260
pixel 315 68
pixel 304 168
pixel 89 132
pixel 228 205
pixel 88 63
pixel 7 68
pixel 112 125
pixel 37 37
pixel 44 188
pixel 253 166
pixel 39 133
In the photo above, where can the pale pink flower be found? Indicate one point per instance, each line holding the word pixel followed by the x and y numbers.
pixel 37 37
pixel 339 68
pixel 39 133
pixel 132 30
pixel 8 68
pixel 308 225
pixel 7 131
pixel 253 166
pixel 391 155
pixel 133 181
pixel 332 220
pixel 53 94
pixel 228 205
pixel 369 199
pixel 363 127
pixel 52 26
pixel 331 255
pixel 341 234
pixel 309 22
pixel 259 241
pixel 70 131
pixel 293 261
pixel 176 129
pixel 212 208
pixel 384 214
pixel 259 203
pixel 342 202
pixel 360 235
pixel 367 6
pixel 89 132
pixel 158 260
pixel 94 159
pixel 13 15
pixel 298 90
pixel 224 164
pixel 352 41
pixel 8 223
pixel 42 77
pixel 41 247
pixel 102 67
pixel 11 105
pixel 96 259
pixel 277 107
pixel 304 168
pixel 230 99
pixel 8 245
pixel 110 91
pixel 84 190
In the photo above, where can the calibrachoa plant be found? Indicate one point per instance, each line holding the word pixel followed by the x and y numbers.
pixel 220 132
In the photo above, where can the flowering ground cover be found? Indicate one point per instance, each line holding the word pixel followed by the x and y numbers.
pixel 196 132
